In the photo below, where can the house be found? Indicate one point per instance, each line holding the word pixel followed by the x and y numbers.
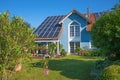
pixel 71 30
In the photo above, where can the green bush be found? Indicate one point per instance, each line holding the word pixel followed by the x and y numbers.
pixel 86 53
pixel 99 67
pixel 116 62
pixel 111 73
pixel 95 53
pixel 63 52
pixel 78 49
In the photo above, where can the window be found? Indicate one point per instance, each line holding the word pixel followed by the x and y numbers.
pixel 73 46
pixel 77 30
pixel 74 29
pixel 71 31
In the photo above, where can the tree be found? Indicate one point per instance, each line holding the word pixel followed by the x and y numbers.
pixel 105 33
pixel 116 7
pixel 16 42
pixel 52 47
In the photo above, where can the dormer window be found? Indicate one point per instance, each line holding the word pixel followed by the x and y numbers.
pixel 74 29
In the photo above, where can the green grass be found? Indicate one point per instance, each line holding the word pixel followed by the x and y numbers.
pixel 72 67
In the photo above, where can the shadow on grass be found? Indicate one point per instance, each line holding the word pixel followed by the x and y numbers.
pixel 73 69
pixel 70 68
pixel 37 64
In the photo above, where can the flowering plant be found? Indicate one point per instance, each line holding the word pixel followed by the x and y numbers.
pixel 45 66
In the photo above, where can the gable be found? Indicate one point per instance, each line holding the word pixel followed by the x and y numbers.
pixel 74 12
pixel 75 17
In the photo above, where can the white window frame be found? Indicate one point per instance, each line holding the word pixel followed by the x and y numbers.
pixel 74 33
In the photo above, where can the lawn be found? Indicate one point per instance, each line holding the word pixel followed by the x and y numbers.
pixel 72 67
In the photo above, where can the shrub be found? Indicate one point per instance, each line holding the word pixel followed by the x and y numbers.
pixel 99 67
pixel 86 53
pixel 78 49
pixel 111 73
pixel 105 33
pixel 116 62
pixel 63 52
pixel 94 53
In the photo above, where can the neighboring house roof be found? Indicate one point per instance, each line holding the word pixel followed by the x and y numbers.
pixel 93 18
pixel 99 14
pixel 51 27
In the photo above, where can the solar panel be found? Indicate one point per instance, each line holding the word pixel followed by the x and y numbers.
pixel 46 34
pixel 41 27
pixel 98 15
pixel 49 27
pixel 40 35
pixel 56 34
pixel 50 35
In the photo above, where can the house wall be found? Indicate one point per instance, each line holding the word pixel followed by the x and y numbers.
pixel 65 39
pixel 85 39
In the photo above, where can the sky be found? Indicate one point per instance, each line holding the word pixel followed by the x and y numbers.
pixel 35 11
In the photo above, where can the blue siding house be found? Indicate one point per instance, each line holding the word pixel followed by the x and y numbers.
pixel 71 30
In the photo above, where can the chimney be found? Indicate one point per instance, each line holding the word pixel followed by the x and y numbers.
pixel 88 13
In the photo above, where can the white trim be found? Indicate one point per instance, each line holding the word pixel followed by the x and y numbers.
pixel 74 11
pixel 58 51
pixel 74 33
pixel 47 41
pixel 69 38
pixel 65 17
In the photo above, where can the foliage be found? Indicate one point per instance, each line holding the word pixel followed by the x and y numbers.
pixel 41 48
pixel 105 32
pixel 60 47
pixel 16 40
pixel 117 62
pixel 63 52
pixel 116 7
pixel 78 49
pixel 86 53
pixel 52 47
pixel 100 66
pixel 96 52
pixel 111 73
pixel 91 53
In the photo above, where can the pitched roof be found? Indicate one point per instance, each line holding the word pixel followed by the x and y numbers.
pixel 99 14
pixel 49 29
pixel 75 11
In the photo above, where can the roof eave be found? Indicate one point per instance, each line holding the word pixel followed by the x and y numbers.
pixel 74 11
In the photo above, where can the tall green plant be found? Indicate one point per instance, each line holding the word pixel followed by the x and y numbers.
pixel 106 33
pixel 52 48
pixel 16 40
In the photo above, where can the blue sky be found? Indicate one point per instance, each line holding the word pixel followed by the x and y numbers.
pixel 35 11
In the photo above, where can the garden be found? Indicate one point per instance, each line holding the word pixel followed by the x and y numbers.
pixel 17 42
pixel 71 67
